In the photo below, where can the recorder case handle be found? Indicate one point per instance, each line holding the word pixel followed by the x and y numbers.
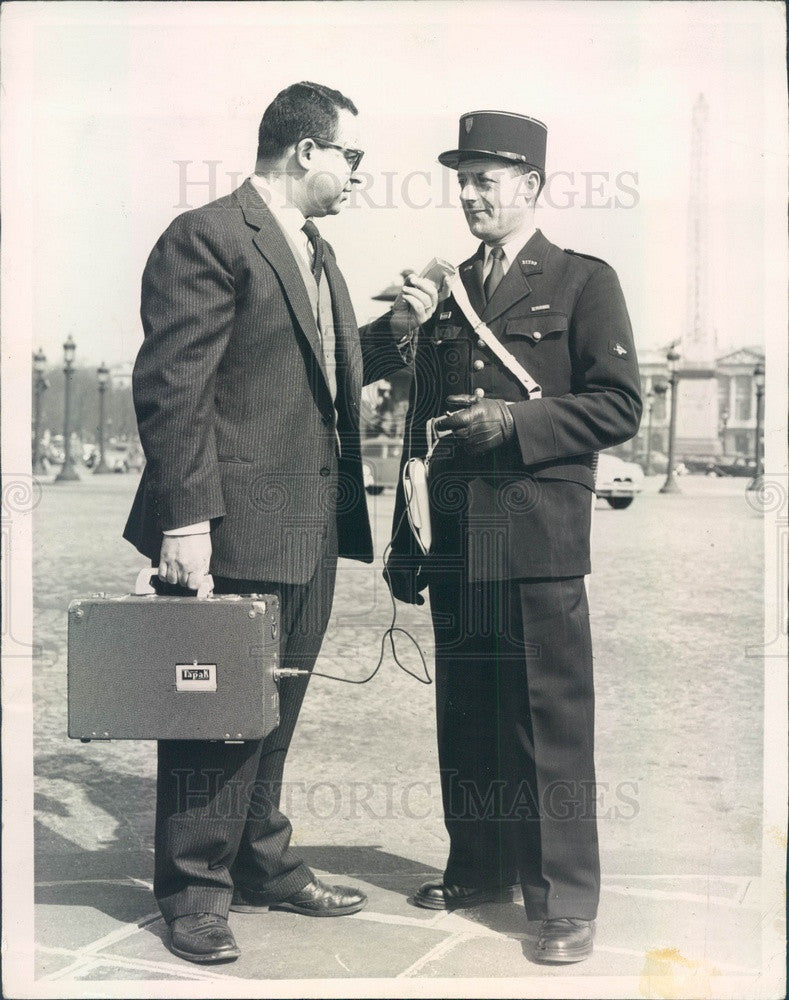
pixel 143 586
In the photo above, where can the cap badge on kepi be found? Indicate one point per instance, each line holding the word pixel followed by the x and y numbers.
pixel 500 135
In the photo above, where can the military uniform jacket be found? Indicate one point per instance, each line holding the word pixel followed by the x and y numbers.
pixel 233 404
pixel 523 510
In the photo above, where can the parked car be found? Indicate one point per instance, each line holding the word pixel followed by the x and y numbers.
pixel 381 463
pixel 734 465
pixel 700 464
pixel 618 482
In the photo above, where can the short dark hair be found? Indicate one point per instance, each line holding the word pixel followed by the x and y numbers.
pixel 300 111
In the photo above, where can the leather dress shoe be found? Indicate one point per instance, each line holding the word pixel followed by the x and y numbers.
pixel 439 895
pixel 316 899
pixel 564 939
pixel 203 937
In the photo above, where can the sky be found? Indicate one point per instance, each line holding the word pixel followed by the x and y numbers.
pixel 111 111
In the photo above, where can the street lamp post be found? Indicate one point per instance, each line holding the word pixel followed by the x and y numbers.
pixel 40 386
pixel 103 373
pixel 724 425
pixel 67 473
pixel 670 485
pixel 758 379
pixel 657 389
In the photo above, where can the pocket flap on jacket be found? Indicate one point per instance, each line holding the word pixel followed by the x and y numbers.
pixel 537 326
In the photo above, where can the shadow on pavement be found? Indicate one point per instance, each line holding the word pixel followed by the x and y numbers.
pixel 93 832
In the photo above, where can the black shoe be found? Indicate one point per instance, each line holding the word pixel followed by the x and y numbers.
pixel 203 937
pixel 564 939
pixel 441 895
pixel 316 899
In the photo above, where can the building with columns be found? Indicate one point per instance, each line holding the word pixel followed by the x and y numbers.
pixel 736 403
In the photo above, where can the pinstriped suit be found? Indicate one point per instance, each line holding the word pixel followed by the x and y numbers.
pixel 239 427
pixel 232 399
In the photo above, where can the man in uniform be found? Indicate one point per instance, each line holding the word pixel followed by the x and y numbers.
pixel 247 390
pixel 511 486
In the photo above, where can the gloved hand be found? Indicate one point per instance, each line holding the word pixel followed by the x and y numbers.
pixel 404 579
pixel 478 424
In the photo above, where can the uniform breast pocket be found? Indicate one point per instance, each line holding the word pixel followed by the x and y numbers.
pixel 537 328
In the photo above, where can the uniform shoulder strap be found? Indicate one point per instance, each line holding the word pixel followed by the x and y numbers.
pixel 586 256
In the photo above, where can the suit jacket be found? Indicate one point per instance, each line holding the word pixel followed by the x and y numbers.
pixel 233 406
pixel 524 509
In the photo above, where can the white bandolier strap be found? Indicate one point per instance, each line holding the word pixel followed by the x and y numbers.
pixel 489 340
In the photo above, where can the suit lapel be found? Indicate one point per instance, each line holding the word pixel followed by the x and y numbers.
pixel 272 244
pixel 349 360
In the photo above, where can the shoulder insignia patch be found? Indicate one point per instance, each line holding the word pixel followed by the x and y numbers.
pixel 615 348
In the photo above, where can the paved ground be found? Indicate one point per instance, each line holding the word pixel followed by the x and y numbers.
pixel 677 605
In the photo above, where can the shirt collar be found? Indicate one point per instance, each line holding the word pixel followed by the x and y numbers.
pixel 514 244
pixel 289 217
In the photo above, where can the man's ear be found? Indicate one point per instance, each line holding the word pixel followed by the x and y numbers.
pixel 529 186
pixel 303 152
pixel 532 185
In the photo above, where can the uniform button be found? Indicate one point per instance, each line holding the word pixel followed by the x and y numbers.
pixel 537 335
pixel 325 471
pixel 479 364
pixel 480 343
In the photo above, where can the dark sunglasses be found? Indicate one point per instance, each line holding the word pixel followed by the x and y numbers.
pixel 353 157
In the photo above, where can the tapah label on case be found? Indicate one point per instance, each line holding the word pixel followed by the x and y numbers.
pixel 195 677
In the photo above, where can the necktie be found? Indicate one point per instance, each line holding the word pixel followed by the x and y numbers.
pixel 495 274
pixel 310 230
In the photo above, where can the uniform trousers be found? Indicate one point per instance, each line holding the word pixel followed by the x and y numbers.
pixel 515 724
pixel 218 821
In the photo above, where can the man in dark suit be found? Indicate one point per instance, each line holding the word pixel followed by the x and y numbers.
pixel 247 391
pixel 511 496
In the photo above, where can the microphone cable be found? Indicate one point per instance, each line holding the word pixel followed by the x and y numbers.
pixel 389 633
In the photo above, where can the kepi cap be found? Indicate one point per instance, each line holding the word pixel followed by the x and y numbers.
pixel 503 134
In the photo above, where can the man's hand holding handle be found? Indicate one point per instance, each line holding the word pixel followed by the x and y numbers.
pixel 185 560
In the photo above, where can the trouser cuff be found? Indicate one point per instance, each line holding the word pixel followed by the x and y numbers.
pixel 474 879
pixel 281 888
pixel 195 899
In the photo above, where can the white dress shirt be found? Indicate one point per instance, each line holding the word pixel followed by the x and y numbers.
pixel 289 218
pixel 511 249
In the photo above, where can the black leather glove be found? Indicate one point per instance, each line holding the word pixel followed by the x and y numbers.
pixel 404 579
pixel 480 424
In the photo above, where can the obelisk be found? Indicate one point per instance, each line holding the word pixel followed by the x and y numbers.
pixel 697 395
